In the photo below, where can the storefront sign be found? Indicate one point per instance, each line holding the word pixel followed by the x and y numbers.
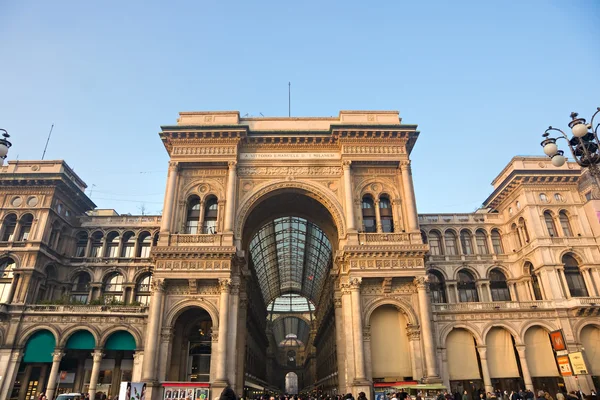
pixel 185 392
pixel 289 156
pixel 558 340
pixel 132 391
pixel 578 363
pixel 564 365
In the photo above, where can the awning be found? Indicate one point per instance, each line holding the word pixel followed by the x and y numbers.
pixel 253 385
pixel 395 384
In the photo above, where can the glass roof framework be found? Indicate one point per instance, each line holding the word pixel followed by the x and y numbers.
pixel 288 329
pixel 290 303
pixel 290 255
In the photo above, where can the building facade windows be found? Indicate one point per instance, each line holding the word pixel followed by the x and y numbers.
pixel 575 281
pixel 497 242
pixel 8 227
pixel 467 242
pixel 81 242
pixel 549 220
pixel 535 283
pixel 81 288
pixel 450 243
pixel 385 212
pixel 6 277
pixel 142 290
pixel 128 246
pixel 97 243
pixel 112 245
pixel 482 243
pixel 368 215
pixel 209 225
pixel 564 224
pixel 25 223
pixel 498 286
pixel 467 288
pixel 144 245
pixel 435 243
pixel 192 216
pixel 437 287
pixel 113 288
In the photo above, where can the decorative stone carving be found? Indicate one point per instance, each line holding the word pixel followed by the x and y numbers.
pixel 354 283
pixel 413 332
pixel 214 336
pixel 203 151
pixel 337 302
pixel 225 285
pixel 289 171
pixel 422 282
pixel 158 285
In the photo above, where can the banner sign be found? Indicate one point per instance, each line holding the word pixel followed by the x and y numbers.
pixel 564 365
pixel 558 340
pixel 186 393
pixel 132 391
pixel 578 363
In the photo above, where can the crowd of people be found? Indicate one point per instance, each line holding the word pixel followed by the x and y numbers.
pixel 517 395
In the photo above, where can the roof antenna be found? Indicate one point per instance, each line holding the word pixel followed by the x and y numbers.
pixel 289 99
pixel 48 140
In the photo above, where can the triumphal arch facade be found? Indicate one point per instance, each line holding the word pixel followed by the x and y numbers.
pixel 285 235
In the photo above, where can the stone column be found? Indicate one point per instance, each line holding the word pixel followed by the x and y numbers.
pixel 530 290
pixel 136 372
pixel 378 216
pixel 452 291
pixel 234 299
pixel 524 367
pixel 221 374
pixel 201 219
pixel 587 278
pixel 165 225
pixel 409 196
pixel 11 369
pixel 414 340
pixel 359 354
pixel 426 326
pixel 97 359
pixel 487 381
pixel 230 199
pixel 340 344
pixel 513 291
pixel 348 195
pixel 149 371
pixel 13 288
pixel 56 358
pixel 563 282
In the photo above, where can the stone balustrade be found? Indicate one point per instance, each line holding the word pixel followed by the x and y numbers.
pixel 574 302
pixel 77 309
pixel 210 239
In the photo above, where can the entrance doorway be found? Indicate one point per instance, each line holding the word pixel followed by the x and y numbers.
pixel 191 347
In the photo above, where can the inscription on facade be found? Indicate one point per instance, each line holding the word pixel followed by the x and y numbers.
pixel 289 156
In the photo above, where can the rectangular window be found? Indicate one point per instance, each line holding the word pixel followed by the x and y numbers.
pixel 434 247
pixel 497 243
pixel 112 252
pixel 128 251
pixel 451 247
pixel 145 253
pixel 191 227
pixel 80 251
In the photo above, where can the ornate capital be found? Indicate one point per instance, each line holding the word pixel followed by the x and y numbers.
pixel 482 351
pixel 346 164
pixel 97 356
pixel 413 332
pixel 235 288
pixel 422 282
pixel 354 283
pixel 214 336
pixel 231 164
pixel 367 333
pixel 173 165
pixel 337 302
pixel 225 285
pixel 57 355
pixel 137 356
pixel 158 285
pixel 405 165
pixel 166 335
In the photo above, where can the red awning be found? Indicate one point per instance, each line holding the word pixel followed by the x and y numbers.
pixel 395 384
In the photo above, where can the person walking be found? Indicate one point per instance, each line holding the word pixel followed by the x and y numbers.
pixel 362 396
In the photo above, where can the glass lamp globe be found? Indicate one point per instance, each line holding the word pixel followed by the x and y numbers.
pixel 579 130
pixel 3 150
pixel 558 160
pixel 550 149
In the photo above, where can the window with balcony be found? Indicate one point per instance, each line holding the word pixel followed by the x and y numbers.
pixel 481 240
pixel 435 243
pixel 437 286
pixel 549 219
pixel 96 249
pixel 498 286
pixel 368 214
pixel 128 246
pixel 385 213
pixel 81 287
pixel 467 288
pixel 193 215
pixel 142 290
pixel 26 222
pixel 113 287
pixel 574 278
pixel 211 209
pixel 7 266
pixel 112 245
pixel 565 225
pixel 81 244
pixel 8 227
pixel 145 243
pixel 497 242
pixel 450 243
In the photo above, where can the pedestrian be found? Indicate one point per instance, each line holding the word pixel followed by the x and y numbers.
pixel 465 395
pixel 560 395
pixel 362 396
pixel 228 394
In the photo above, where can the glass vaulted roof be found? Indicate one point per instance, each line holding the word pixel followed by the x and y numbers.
pixel 290 255
pixel 290 331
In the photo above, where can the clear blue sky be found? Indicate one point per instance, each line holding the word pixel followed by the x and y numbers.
pixel 482 80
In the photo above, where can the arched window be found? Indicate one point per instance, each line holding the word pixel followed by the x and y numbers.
pixel 144 245
pixel 497 242
pixel 535 283
pixel 81 287
pixel 385 213
pixel 550 224
pixel 193 215
pixel 368 214
pixel 435 243
pixel 113 288
pixel 466 241
pixel 481 239
pixel 574 278
pixel 142 290
pixel 437 285
pixel 128 246
pixel 8 227
pixel 564 223
pixel 97 238
pixel 112 245
pixel 517 235
pixel 6 277
pixel 26 223
pixel 450 242
pixel 81 245
pixel 498 286
pixel 210 216
pixel 524 230
pixel 467 289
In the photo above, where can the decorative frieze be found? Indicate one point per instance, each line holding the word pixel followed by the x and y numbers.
pixel 203 151
pixel 379 150
pixel 193 265
pixel 387 264
pixel 289 171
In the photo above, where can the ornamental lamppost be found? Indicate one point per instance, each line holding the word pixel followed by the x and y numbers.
pixel 4 145
pixel 584 145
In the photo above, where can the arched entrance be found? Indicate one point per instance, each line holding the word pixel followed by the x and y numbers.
pixel 191 347
pixel 290 238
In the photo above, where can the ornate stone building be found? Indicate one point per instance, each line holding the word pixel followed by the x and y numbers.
pixel 290 256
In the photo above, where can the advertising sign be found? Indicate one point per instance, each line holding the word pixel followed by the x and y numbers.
pixel 564 365
pixel 132 391
pixel 186 393
pixel 578 363
pixel 558 340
